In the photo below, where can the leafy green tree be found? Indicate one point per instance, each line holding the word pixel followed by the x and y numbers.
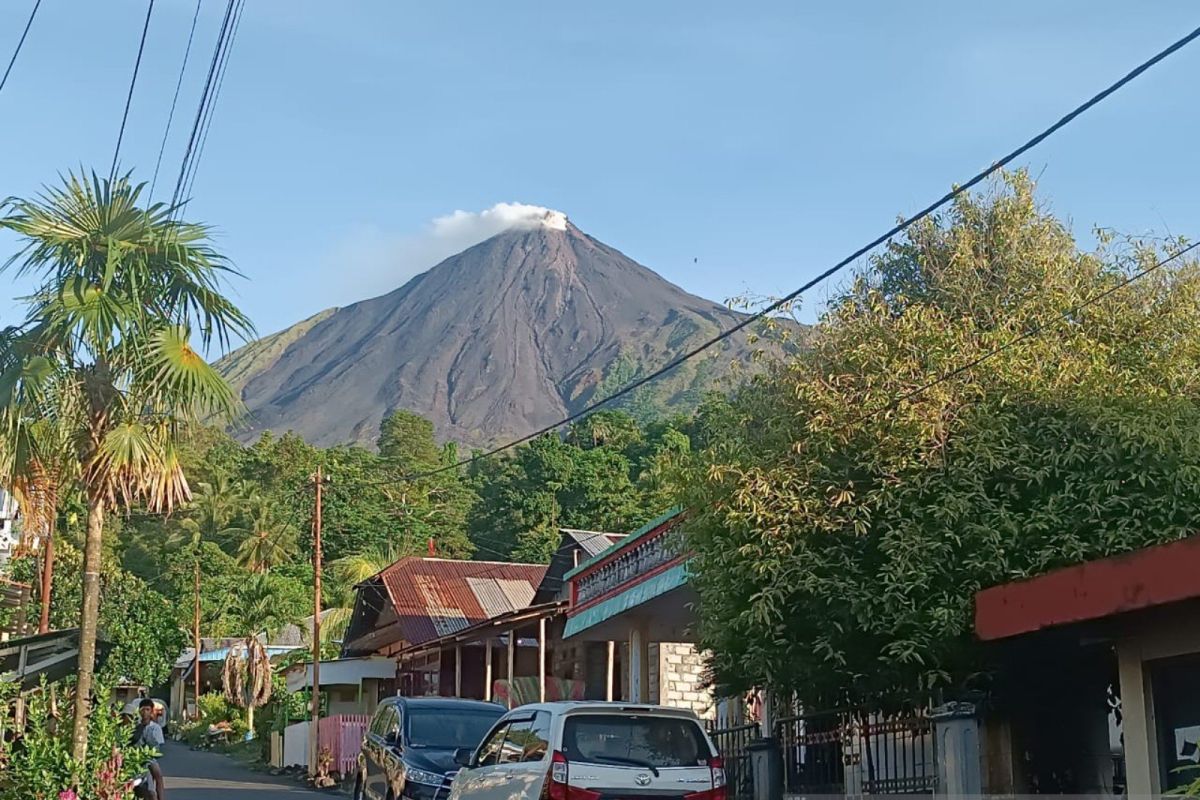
pixel 269 540
pixel 139 623
pixel 849 503
pixel 406 440
pixel 105 350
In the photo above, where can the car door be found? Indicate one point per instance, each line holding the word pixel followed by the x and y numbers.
pixel 392 759
pixel 481 781
pixel 524 759
pixel 374 750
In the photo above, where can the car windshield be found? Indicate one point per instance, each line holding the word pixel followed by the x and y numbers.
pixel 634 740
pixel 450 728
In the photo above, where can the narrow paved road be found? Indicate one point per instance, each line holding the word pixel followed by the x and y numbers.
pixel 193 775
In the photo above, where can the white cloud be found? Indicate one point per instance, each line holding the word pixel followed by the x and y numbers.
pixel 372 260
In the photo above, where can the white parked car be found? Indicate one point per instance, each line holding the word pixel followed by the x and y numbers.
pixel 592 751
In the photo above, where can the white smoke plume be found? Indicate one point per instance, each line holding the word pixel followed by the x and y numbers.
pixel 376 261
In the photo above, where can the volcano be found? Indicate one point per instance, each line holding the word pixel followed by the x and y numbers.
pixel 499 340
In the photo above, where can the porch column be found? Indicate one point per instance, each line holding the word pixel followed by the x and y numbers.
pixel 458 670
pixel 639 664
pixel 609 672
pixel 512 661
pixel 542 659
pixel 1138 722
pixel 487 670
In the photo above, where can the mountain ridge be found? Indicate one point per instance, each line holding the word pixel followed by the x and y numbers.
pixel 505 337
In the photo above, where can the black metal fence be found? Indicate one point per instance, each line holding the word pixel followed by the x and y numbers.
pixel 734 746
pixel 840 752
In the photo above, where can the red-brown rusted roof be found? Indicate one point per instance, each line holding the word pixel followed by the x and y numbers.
pixel 1152 576
pixel 434 597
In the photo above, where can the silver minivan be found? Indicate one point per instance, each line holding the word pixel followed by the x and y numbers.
pixel 592 751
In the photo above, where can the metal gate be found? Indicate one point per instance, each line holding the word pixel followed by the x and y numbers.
pixel 856 753
pixel 734 746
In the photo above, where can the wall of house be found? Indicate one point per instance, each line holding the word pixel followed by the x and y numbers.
pixel 678 680
pixel 343 700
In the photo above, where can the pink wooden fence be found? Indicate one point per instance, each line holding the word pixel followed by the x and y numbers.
pixel 342 736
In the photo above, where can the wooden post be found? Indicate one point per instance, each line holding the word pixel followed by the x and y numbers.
pixel 610 673
pixel 314 724
pixel 487 670
pixel 542 660
pixel 458 670
pixel 512 661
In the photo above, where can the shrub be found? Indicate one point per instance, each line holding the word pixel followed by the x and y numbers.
pixel 38 765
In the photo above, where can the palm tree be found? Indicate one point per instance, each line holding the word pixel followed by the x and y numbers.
pixel 38 459
pixel 215 504
pixel 270 539
pixel 105 351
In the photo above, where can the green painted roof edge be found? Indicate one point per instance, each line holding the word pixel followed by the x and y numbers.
pixel 666 516
pixel 661 583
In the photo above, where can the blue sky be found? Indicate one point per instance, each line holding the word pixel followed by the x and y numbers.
pixel 733 147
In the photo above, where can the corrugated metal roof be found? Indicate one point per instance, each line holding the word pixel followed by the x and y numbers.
pixel 434 597
pixel 593 542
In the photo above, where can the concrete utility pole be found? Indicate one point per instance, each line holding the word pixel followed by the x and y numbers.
pixel 315 717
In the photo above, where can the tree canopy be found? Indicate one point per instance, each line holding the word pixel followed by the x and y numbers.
pixel 849 502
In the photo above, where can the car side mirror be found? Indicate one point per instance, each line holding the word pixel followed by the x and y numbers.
pixel 462 756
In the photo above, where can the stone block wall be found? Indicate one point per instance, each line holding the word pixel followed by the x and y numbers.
pixel 678 679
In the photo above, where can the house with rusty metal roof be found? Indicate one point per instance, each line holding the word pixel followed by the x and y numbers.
pixel 417 600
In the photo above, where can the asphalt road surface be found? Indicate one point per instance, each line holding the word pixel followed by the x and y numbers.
pixel 193 775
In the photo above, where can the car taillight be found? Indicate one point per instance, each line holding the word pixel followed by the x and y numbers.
pixel 718 791
pixel 717 766
pixel 558 786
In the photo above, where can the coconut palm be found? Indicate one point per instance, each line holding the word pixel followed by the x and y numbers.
pixel 105 351
pixel 270 539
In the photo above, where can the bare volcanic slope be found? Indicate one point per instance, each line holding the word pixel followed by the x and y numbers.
pixel 499 340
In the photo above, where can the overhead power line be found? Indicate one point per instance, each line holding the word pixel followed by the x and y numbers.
pixel 202 106
pixel 20 44
pixel 786 300
pixel 206 125
pixel 137 65
pixel 175 99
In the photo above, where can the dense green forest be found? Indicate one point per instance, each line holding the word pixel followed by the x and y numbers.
pixel 250 522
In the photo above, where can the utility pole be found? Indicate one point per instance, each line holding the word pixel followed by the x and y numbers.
pixel 315 716
pixel 48 566
pixel 195 627
pixel 47 580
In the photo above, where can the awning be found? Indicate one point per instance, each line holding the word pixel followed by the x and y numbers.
pixel 341 672
pixel 49 656
pixel 1152 576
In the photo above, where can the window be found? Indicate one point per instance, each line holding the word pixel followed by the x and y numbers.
pixel 384 718
pixel 634 740
pixel 489 751
pixel 392 732
pixel 450 728
pixel 522 742
pixel 539 738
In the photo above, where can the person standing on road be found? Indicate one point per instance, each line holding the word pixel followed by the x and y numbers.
pixel 149 733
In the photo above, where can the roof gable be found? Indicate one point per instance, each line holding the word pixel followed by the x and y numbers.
pixel 434 597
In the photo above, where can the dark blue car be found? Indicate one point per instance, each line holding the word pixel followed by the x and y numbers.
pixel 409 748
